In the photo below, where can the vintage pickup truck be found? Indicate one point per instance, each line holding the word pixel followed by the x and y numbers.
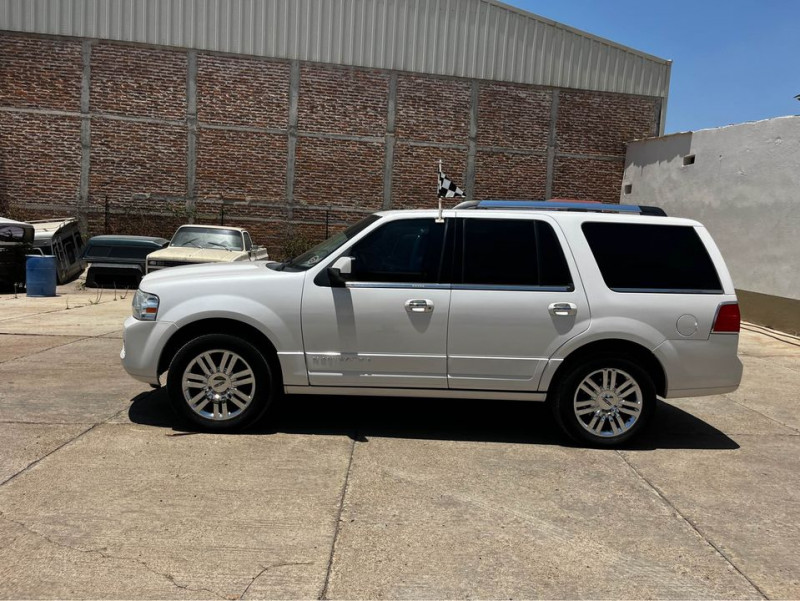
pixel 194 244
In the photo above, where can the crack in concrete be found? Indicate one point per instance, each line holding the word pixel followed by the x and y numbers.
pixel 25 316
pixel 266 569
pixel 596 547
pixel 767 360
pixel 691 524
pixel 39 352
pixel 67 308
pixel 324 593
pixel 19 422
pixel 33 464
pixel 168 577
pixel 764 415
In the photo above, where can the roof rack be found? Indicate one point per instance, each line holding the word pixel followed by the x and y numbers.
pixel 551 205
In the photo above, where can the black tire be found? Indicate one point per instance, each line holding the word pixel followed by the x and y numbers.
pixel 615 414
pixel 227 380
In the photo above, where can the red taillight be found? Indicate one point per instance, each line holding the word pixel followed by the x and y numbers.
pixel 728 318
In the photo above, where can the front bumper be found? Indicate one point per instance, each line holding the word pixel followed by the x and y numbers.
pixel 142 344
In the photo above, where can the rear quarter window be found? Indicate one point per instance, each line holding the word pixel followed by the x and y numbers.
pixel 652 258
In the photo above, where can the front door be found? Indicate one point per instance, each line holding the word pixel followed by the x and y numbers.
pixel 388 327
pixel 515 301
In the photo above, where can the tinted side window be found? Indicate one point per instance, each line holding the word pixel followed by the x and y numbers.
pixel 400 251
pixel 513 252
pixel 657 258
pixel 248 243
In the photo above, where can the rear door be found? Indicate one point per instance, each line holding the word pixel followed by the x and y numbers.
pixel 517 297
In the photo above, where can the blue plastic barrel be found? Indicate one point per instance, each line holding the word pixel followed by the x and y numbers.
pixel 40 275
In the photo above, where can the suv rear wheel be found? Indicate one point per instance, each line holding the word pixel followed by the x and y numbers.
pixel 220 382
pixel 605 401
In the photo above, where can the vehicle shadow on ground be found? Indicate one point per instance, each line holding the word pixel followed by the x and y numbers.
pixel 435 419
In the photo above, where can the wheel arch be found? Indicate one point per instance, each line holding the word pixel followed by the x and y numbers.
pixel 220 325
pixel 624 348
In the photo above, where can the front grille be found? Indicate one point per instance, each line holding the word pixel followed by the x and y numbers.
pixel 173 263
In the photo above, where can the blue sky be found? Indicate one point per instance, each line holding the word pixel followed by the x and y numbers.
pixel 733 61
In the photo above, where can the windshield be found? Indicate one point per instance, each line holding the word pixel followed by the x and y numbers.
pixel 311 257
pixel 207 237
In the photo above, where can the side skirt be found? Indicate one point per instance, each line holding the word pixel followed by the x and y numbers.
pixel 418 392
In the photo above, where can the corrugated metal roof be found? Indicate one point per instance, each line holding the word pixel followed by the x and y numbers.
pixel 465 38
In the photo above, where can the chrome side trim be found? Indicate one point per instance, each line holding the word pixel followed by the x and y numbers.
pixel 347 355
pixel 666 291
pixel 409 285
pixel 496 287
pixel 500 287
pixel 490 357
pixel 488 395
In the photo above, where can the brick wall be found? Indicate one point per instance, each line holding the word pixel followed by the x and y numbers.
pixel 601 123
pixel 339 173
pixel 130 159
pixel 432 109
pixel 587 179
pixel 331 172
pixel 241 165
pixel 40 157
pixel 133 81
pixel 151 155
pixel 512 140
pixel 40 73
pixel 510 176
pixel 242 91
pixel 513 116
pixel 337 100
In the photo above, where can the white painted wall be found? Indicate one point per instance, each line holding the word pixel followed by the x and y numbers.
pixel 744 186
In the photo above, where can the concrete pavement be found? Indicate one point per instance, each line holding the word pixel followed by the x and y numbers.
pixel 104 495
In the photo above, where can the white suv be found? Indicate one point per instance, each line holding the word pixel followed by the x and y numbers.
pixel 594 308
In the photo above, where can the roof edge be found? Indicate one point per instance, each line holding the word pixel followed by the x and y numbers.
pixel 580 32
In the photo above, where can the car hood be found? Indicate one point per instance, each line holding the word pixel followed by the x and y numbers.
pixel 249 289
pixel 208 271
pixel 195 255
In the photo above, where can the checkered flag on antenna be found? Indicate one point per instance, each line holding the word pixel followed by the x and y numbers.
pixel 447 188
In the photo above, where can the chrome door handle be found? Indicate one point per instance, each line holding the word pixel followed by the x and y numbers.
pixel 563 309
pixel 419 305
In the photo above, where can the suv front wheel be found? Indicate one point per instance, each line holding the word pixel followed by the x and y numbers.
pixel 220 382
pixel 604 401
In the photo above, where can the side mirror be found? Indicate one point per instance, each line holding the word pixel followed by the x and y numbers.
pixel 339 270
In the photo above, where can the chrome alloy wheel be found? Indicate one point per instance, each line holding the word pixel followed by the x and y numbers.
pixel 608 402
pixel 218 385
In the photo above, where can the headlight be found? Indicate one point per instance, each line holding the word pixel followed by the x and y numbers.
pixel 145 306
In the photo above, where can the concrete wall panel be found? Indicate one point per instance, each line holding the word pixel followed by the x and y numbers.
pixel 743 185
